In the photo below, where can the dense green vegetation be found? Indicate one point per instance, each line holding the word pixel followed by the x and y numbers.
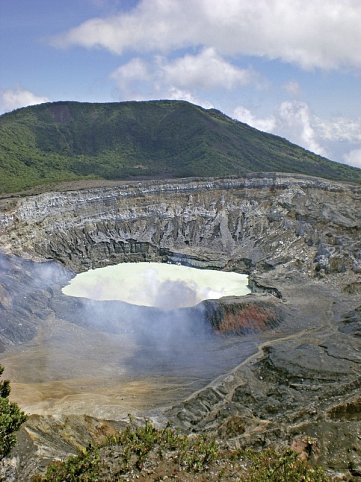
pixel 145 453
pixel 11 418
pixel 70 140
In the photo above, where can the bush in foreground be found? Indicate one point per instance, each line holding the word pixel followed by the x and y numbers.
pixel 145 453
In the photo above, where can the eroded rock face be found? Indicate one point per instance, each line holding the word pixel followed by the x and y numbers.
pixel 308 223
pixel 26 288
pixel 298 238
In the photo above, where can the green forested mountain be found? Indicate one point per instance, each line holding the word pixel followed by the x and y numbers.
pixel 71 140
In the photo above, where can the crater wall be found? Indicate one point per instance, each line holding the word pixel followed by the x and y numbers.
pixel 260 221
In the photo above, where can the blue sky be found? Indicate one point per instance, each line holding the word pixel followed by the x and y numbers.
pixel 284 66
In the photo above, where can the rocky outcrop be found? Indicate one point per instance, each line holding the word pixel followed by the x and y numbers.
pixel 237 316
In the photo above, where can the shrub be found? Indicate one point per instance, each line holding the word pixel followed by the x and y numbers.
pixel 11 418
pixel 149 454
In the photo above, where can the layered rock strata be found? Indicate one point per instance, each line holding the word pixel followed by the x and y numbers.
pixel 266 220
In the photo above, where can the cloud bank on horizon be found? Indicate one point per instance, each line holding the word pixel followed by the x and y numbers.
pixel 291 68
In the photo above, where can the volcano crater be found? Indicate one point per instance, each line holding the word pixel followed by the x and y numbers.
pixel 269 355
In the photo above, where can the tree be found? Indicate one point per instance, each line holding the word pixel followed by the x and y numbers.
pixel 11 418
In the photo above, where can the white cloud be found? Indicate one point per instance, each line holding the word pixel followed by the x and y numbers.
pixel 11 99
pixel 292 120
pixel 340 129
pixel 189 77
pixel 136 69
pixel 353 158
pixel 296 120
pixel 266 124
pixel 205 70
pixel 310 34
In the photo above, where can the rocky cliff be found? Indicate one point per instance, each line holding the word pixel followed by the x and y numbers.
pixel 264 220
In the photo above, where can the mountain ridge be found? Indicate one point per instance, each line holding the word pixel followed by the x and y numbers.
pixel 66 140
